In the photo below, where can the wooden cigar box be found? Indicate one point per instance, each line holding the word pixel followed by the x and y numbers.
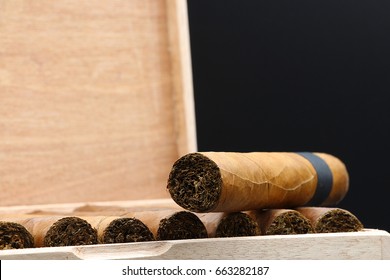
pixel 96 103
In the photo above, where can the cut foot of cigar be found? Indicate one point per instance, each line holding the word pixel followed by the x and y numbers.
pixel 181 225
pixel 70 231
pixel 237 224
pixel 283 222
pixel 195 182
pixel 326 220
pixel 15 236
pixel 124 230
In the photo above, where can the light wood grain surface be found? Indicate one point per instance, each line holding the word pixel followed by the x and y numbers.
pixel 95 99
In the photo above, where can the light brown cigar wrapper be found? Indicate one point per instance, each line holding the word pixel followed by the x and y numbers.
pixel 40 226
pixel 229 224
pixel 249 181
pixel 282 222
pixel 324 219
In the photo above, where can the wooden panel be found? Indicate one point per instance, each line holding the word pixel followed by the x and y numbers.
pixel 94 99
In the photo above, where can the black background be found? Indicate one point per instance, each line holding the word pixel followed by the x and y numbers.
pixel 278 75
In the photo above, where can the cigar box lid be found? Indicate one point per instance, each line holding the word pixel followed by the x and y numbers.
pixel 96 99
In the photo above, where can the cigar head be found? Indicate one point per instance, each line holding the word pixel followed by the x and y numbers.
pixel 237 224
pixel 181 225
pixel 125 230
pixel 15 236
pixel 195 182
pixel 70 231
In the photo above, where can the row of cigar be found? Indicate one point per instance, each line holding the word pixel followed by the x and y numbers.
pixel 215 194
pixel 102 227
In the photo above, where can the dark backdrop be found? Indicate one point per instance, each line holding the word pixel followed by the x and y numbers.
pixel 281 75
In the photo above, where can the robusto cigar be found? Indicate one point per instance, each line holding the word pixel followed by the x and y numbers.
pixel 230 224
pixel 172 224
pixel 282 222
pixel 326 219
pixel 231 182
pixel 181 225
pixel 70 231
pixel 14 236
pixel 113 229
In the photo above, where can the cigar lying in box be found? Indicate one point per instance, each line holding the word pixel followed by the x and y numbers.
pixel 282 222
pixel 230 182
pixel 15 236
pixel 324 219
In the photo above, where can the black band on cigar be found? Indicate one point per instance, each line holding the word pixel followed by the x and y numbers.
pixel 324 178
